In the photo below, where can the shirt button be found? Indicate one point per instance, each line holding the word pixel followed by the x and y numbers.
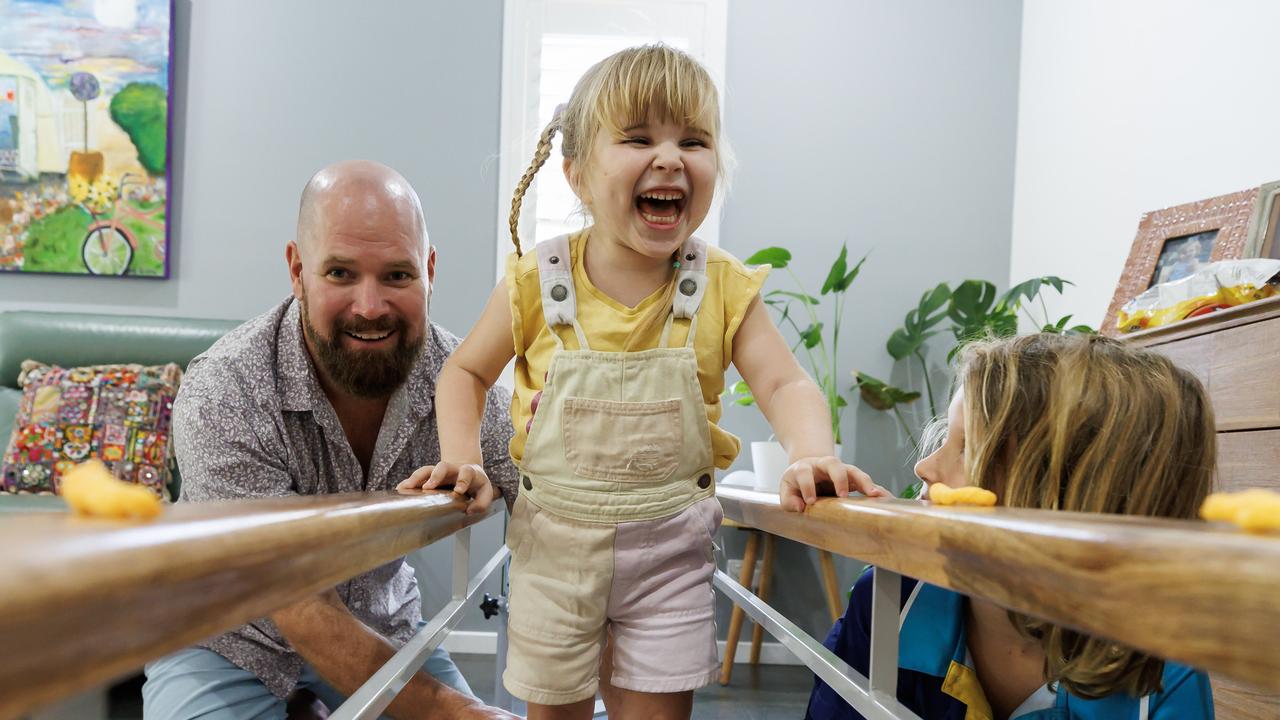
pixel 704 482
pixel 527 485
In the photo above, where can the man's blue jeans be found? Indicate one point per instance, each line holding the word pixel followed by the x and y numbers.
pixel 199 683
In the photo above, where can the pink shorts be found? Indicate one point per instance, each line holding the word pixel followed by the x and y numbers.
pixel 647 582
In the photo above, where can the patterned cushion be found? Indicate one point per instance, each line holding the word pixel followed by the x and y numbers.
pixel 119 414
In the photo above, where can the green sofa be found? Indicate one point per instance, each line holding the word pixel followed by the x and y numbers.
pixel 72 339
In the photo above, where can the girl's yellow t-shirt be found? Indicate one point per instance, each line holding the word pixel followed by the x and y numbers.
pixel 608 324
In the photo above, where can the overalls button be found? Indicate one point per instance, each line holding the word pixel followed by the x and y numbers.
pixel 704 482
pixel 688 287
pixel 559 293
pixel 554 259
pixel 690 257
pixel 527 485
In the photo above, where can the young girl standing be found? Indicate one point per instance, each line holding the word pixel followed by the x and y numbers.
pixel 622 334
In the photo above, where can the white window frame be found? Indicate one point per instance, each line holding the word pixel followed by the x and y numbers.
pixel 523 26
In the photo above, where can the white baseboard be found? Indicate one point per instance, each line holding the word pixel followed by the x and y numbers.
pixel 470 642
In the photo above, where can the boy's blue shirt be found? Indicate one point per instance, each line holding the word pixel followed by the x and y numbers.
pixel 935 681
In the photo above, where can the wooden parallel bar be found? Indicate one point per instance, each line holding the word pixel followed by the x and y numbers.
pixel 84 601
pixel 1202 594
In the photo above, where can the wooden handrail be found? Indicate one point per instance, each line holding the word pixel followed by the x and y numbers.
pixel 1202 594
pixel 84 601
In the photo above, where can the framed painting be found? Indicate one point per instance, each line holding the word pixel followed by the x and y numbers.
pixel 1175 242
pixel 84 136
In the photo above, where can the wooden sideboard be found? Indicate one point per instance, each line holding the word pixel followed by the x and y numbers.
pixel 1236 354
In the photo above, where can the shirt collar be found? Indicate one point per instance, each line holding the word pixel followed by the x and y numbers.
pixel 933 632
pixel 300 388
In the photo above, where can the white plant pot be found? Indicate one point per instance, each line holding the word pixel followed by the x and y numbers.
pixel 770 460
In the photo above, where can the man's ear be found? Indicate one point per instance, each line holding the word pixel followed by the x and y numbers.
pixel 294 257
pixel 431 268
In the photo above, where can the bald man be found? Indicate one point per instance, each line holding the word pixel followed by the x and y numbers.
pixel 330 391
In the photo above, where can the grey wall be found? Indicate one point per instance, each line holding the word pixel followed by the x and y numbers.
pixel 889 126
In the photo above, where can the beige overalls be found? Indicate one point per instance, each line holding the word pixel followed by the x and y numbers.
pixel 613 527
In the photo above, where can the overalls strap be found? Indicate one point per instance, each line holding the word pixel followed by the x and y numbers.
pixel 559 301
pixel 691 285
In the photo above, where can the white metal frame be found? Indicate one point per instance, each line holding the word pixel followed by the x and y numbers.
pixel 874 698
pixel 381 688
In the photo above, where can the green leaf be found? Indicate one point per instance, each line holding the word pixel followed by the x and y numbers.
pixel 880 395
pixel 740 387
pixel 911 323
pixel 808 299
pixel 841 402
pixel 929 312
pixel 812 335
pixel 971 301
pixel 844 283
pixel 775 256
pixel 744 401
pixel 934 299
pixel 873 393
pixel 911 491
pixel 1082 330
pixel 861 378
pixel 1004 325
pixel 1013 298
pixel 1057 282
pixel 902 344
pixel 837 272
pixel 900 396
pixel 1029 289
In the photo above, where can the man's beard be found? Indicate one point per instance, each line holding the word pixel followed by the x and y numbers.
pixel 370 374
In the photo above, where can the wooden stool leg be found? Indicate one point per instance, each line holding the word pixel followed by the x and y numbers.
pixel 766 578
pixel 735 620
pixel 830 584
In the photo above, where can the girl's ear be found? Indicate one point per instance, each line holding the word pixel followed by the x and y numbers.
pixel 574 178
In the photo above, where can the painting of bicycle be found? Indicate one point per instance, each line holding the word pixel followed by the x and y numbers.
pixel 84 137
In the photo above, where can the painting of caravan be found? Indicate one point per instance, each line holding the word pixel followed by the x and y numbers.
pixel 84 136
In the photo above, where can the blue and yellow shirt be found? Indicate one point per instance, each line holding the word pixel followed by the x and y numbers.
pixel 936 679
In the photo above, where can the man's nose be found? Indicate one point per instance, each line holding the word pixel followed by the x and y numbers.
pixel 369 302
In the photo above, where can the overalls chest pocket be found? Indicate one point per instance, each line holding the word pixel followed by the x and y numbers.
pixel 635 442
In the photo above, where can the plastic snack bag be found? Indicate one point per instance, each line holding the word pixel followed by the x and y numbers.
pixel 1218 285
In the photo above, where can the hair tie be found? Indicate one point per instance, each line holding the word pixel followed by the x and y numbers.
pixel 559 112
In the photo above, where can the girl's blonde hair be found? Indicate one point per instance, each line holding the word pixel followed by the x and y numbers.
pixel 622 91
pixel 1087 424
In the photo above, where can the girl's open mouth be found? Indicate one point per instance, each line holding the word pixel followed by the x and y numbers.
pixel 660 209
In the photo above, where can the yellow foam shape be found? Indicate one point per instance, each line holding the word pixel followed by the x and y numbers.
pixel 1254 510
pixel 940 494
pixel 91 490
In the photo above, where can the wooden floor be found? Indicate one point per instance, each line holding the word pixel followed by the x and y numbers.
pixel 766 692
